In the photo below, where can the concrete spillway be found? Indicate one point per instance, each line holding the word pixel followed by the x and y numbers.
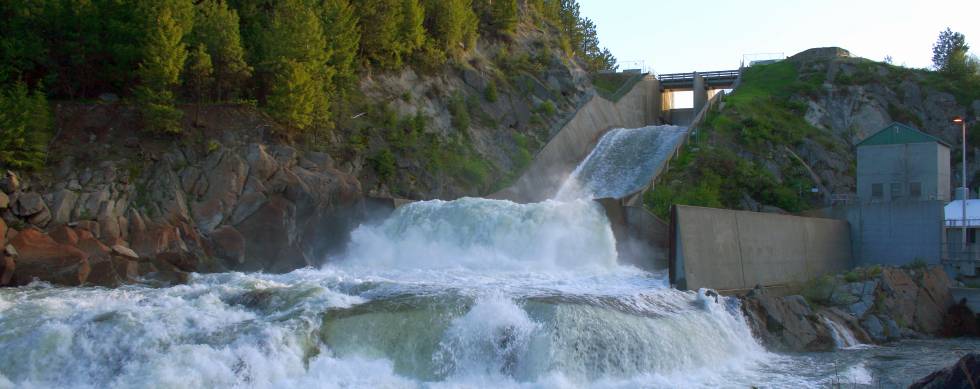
pixel 624 162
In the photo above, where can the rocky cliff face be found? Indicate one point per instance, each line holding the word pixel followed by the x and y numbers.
pixel 117 207
pixel 235 192
pixel 860 97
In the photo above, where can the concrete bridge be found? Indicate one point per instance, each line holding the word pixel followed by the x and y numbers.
pixel 703 84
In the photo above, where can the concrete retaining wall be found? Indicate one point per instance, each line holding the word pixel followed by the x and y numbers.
pixel 641 237
pixel 897 233
pixel 638 108
pixel 732 250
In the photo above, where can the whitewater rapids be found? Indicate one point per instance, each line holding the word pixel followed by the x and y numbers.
pixel 470 293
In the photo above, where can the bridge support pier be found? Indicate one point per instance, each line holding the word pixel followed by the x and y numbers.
pixel 700 92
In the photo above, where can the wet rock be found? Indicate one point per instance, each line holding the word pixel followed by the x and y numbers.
pixel 229 244
pixel 874 328
pixel 964 374
pixel 42 258
pixel 786 323
pixel 892 330
pixel 275 223
pixel 8 265
pixel 960 321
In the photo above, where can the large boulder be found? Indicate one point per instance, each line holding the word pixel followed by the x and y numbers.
pixel 899 295
pixel 965 374
pixel 271 237
pixel 786 323
pixel 28 204
pixel 960 321
pixel 41 257
pixel 229 244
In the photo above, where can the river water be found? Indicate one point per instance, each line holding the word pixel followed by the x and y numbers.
pixel 471 293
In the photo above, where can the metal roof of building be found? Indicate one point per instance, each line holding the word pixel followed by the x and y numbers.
pixel 899 134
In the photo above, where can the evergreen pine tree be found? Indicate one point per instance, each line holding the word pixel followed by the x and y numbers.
pixel 217 28
pixel 163 59
pixel 411 33
pixel 198 73
pixel 340 24
pixel 294 94
pixel 294 63
pixel 390 31
pixel 451 23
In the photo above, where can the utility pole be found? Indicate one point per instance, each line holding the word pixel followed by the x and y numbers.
pixel 965 191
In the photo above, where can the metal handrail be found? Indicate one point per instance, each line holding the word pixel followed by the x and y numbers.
pixel 961 222
pixel 706 75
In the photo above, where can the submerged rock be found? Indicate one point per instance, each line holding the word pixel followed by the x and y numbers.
pixel 964 374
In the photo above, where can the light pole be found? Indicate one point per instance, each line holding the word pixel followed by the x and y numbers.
pixel 965 191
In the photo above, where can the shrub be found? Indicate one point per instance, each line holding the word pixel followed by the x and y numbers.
pixel 547 108
pixel 490 93
pixel 383 163
pixel 819 290
pixel 457 109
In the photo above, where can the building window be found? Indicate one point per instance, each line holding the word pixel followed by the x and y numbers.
pixel 971 235
pixel 877 191
pixel 896 190
pixel 915 190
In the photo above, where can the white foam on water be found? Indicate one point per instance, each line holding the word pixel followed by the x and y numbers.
pixel 624 162
pixel 487 236
pixel 843 337
pixel 471 293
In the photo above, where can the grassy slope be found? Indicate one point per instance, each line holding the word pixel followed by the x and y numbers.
pixel 744 155
pixel 757 119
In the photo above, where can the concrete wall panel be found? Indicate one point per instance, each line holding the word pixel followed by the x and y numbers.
pixel 712 257
pixel 828 246
pixel 731 250
pixel 773 248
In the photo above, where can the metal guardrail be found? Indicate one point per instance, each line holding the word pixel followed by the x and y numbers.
pixel 713 75
pixel 961 222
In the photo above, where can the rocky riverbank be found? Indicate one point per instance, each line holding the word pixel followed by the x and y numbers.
pixel 874 305
pixel 238 204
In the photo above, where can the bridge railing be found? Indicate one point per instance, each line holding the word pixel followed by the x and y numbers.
pixel 720 74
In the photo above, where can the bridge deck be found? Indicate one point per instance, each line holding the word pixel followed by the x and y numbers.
pixel 722 79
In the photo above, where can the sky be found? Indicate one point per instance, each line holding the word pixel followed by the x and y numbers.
pixel 684 36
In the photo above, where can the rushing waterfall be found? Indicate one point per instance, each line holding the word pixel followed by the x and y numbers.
pixel 624 161
pixel 467 293
pixel 843 336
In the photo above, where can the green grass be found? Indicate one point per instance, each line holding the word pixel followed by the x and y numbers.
pixel 613 86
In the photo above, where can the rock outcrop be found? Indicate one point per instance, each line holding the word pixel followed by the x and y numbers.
pixel 965 374
pixel 887 304
pixel 786 323
pixel 245 205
